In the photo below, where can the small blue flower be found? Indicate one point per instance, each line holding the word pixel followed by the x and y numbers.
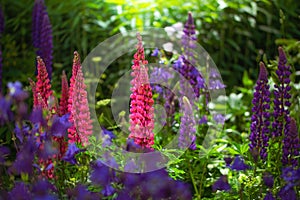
pixel 219 118
pixel 269 196
pixel 268 180
pixel 4 151
pixel 155 52
pixel 238 164
pixel 71 152
pixel 221 184
pixel 16 91
pixel 60 125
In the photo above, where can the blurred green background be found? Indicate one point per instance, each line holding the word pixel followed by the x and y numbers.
pixel 236 33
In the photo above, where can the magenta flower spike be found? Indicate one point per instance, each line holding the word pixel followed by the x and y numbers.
pixel 141 106
pixel 42 86
pixel 63 103
pixel 78 106
pixel 80 109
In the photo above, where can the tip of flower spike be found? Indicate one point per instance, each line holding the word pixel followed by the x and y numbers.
pixel 263 73
pixel 187 104
pixel 76 56
pixel 282 56
pixel 139 37
pixel 190 18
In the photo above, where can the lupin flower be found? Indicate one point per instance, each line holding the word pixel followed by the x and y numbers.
pixel 291 145
pixel 187 130
pixel 42 34
pixel 80 110
pixel 141 105
pixel 46 47
pixel 260 118
pixel 161 76
pixel 73 136
pixel 185 64
pixel 37 20
pixel 42 86
pixel 63 103
pixel 282 96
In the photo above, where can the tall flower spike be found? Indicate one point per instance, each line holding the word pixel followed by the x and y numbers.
pixel 186 63
pixel 141 105
pixel 187 126
pixel 43 86
pixel 291 145
pixel 73 136
pixel 37 20
pixel 282 96
pixel 80 109
pixel 42 34
pixel 46 47
pixel 63 103
pixel 260 121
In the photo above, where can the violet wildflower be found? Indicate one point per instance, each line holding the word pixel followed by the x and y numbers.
pixel 228 161
pixel 219 118
pixel 107 137
pixel 161 76
pixel 81 192
pixel 187 130
pixel 155 52
pixel 215 81
pixel 103 175
pixel 287 194
pixel 71 152
pixel 221 184
pixel 37 19
pixel 1 70
pixel 42 34
pixel 185 64
pixel 291 145
pixel 268 180
pixel 239 164
pixel 60 125
pixel 269 196
pixel 141 105
pixel 282 96
pixel 16 92
pixel 260 118
pixel 291 176
pixel 25 158
pixel 20 191
pixel 42 190
pixel 6 114
pixel 4 151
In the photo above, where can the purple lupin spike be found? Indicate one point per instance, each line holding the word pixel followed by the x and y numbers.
pixel 260 118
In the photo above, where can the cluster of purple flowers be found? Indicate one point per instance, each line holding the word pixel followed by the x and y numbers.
pixel 260 118
pixel 42 34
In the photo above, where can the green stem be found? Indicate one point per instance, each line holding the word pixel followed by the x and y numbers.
pixel 201 180
pixel 193 180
